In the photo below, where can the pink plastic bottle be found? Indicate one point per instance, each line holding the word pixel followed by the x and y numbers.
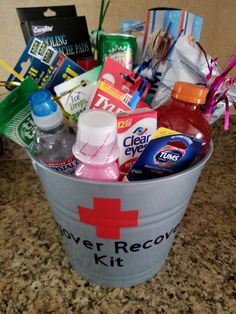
pixel 183 114
pixel 96 146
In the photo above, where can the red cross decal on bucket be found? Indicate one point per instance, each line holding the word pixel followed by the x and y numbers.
pixel 108 218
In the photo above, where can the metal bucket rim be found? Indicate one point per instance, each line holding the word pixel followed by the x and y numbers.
pixel 128 183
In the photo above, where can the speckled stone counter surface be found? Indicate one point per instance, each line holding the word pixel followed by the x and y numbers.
pixel 198 276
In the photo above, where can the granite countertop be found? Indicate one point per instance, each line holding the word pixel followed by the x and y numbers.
pixel 198 276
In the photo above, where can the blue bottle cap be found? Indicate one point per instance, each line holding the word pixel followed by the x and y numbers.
pixel 45 111
pixel 42 103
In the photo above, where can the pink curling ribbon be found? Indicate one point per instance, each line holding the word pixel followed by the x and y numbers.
pixel 211 66
pixel 215 95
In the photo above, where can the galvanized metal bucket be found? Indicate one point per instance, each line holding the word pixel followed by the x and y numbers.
pixel 118 234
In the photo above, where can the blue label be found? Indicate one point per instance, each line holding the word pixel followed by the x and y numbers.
pixel 47 67
pixel 166 155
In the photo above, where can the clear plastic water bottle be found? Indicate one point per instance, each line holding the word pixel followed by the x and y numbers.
pixel 96 146
pixel 53 140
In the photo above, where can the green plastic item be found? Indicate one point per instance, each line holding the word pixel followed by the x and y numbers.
pixel 16 122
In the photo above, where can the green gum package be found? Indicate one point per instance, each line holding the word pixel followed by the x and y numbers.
pixel 16 122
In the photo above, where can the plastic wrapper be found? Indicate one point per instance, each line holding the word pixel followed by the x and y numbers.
pixel 189 64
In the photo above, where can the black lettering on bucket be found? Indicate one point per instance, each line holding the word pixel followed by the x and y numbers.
pixel 60 228
pixel 169 233
pixel 145 246
pixel 98 260
pixel 135 247
pixel 108 260
pixel 75 239
pixel 175 228
pixel 66 233
pixel 159 239
pixel 88 244
pixel 98 245
pixel 119 261
pixel 120 245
